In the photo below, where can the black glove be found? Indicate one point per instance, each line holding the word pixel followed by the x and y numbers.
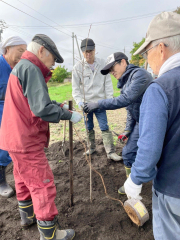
pixel 89 107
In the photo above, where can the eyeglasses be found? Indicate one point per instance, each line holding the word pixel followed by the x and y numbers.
pixel 111 70
pixel 144 54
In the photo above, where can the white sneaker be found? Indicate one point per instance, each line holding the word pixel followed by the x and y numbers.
pixel 114 157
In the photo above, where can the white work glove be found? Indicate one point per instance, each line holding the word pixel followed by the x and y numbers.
pixel 76 117
pixel 132 190
pixel 81 105
pixel 64 106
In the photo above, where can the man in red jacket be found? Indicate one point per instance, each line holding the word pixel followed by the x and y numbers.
pixel 25 132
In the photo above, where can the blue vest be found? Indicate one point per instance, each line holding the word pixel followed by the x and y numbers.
pixel 5 71
pixel 167 180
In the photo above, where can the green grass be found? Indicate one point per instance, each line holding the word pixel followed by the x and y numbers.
pixel 116 90
pixel 61 92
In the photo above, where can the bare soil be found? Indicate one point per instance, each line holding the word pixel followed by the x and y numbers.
pixel 103 219
pixel 116 121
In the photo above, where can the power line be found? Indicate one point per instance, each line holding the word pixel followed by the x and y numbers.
pixel 97 23
pixel 48 24
pixel 28 35
pixel 20 31
pixel 116 20
pixel 97 42
pixel 55 23
pixel 35 18
pixel 104 45
pixel 87 24
pixel 43 15
pixel 12 27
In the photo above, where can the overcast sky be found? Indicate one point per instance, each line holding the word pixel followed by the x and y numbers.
pixel 133 18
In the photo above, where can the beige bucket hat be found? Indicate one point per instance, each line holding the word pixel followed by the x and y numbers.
pixel 165 24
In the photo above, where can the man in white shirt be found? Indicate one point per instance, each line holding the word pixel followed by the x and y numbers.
pixel 89 85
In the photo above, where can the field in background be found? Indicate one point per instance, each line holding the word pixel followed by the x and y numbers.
pixel 62 92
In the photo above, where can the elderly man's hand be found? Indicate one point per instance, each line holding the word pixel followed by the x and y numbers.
pixel 76 117
pixel 64 106
pixel 132 190
pixel 89 107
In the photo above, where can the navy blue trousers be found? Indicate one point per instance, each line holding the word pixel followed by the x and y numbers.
pixel 130 149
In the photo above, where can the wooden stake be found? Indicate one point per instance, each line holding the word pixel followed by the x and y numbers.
pixel 71 156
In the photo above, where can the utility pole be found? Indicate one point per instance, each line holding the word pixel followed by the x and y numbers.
pixel 124 50
pixel 73 47
pixel 78 47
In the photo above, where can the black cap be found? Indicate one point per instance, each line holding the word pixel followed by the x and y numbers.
pixel 46 42
pixel 87 44
pixel 115 57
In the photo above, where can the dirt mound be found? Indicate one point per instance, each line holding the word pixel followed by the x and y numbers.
pixel 103 219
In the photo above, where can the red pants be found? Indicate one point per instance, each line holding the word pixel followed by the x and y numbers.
pixel 34 180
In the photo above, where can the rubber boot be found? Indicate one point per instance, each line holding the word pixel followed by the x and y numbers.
pixel 27 213
pixel 92 145
pixel 109 146
pixel 5 189
pixel 121 190
pixel 49 230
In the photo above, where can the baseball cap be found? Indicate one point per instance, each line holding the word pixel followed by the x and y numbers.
pixel 165 24
pixel 87 44
pixel 46 42
pixel 115 57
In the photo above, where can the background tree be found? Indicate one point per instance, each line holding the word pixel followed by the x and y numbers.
pixel 59 74
pixel 137 60
pixel 177 10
